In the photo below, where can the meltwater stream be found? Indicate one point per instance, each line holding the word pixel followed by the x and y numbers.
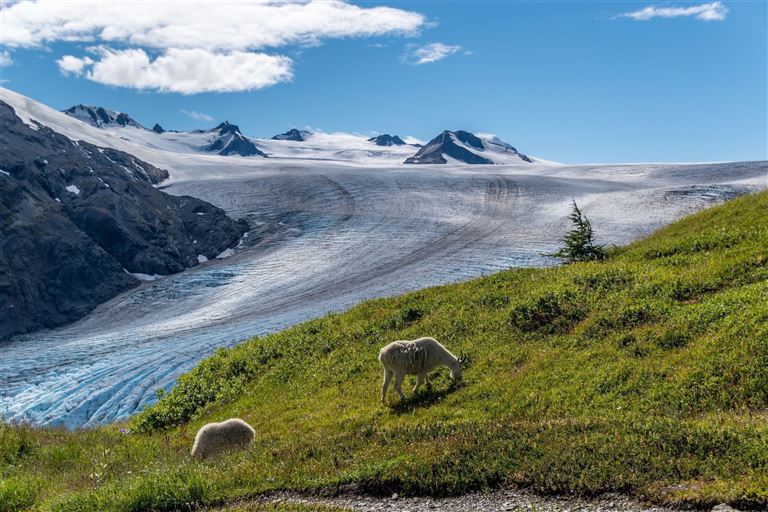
pixel 324 238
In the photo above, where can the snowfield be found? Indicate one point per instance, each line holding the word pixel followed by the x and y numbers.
pixel 334 221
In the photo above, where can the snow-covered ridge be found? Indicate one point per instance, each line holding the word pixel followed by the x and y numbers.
pixel 108 128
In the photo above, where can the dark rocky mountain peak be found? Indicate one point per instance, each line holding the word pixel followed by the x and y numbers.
pixel 461 145
pixel 386 139
pixel 230 141
pixel 226 127
pixel 157 128
pixel 434 151
pixel 293 134
pixel 100 116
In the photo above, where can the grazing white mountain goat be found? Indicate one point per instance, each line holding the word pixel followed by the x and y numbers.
pixel 415 357
pixel 214 438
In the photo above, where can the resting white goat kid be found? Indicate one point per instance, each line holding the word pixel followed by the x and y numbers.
pixel 415 357
pixel 214 438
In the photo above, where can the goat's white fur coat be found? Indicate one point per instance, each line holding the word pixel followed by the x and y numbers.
pixel 414 357
pixel 214 438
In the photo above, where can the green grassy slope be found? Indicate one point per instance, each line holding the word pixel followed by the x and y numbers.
pixel 646 374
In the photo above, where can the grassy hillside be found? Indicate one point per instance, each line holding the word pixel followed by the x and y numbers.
pixel 646 374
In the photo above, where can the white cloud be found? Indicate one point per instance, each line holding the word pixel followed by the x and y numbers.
pixel 432 52
pixel 210 25
pixel 5 58
pixel 197 116
pixel 199 47
pixel 73 65
pixel 714 11
pixel 186 71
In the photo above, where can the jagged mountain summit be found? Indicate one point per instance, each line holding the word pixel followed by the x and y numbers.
pixel 465 147
pixel 230 141
pixel 100 116
pixel 225 139
pixel 386 139
pixel 293 134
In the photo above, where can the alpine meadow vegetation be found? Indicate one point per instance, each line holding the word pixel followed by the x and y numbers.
pixel 644 373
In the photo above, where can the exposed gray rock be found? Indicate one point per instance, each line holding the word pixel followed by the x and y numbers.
pixel 724 508
pixel 99 116
pixel 386 139
pixel 157 128
pixel 294 135
pixel 491 501
pixel 75 218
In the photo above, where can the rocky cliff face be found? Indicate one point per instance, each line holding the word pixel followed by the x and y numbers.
pixel 75 219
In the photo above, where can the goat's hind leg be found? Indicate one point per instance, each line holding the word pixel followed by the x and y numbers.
pixel 398 385
pixel 385 386
pixel 420 379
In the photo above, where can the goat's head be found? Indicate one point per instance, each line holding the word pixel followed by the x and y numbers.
pixel 456 369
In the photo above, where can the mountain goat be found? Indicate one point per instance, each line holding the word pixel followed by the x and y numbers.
pixel 214 438
pixel 415 357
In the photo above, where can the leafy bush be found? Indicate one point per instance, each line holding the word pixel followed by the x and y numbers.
pixel 18 494
pixel 552 312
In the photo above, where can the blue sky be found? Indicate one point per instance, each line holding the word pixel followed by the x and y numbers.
pixel 567 81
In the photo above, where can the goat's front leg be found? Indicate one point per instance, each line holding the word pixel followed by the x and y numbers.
pixel 385 386
pixel 420 379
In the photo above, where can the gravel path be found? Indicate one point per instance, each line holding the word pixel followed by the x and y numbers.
pixel 499 500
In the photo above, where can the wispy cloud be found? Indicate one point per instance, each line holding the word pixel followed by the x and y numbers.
pixel 432 52
pixel 197 116
pixel 5 58
pixel 158 48
pixel 714 11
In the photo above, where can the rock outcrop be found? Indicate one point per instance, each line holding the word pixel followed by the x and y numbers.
pixel 100 116
pixel 76 220
pixel 386 139
pixel 230 141
pixel 446 143
pixel 293 134
pixel 463 147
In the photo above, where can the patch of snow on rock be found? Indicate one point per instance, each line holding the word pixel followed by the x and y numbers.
pixel 225 254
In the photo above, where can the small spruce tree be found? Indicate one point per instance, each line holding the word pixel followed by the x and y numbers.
pixel 579 243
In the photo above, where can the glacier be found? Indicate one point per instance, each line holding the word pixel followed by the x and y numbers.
pixel 332 231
